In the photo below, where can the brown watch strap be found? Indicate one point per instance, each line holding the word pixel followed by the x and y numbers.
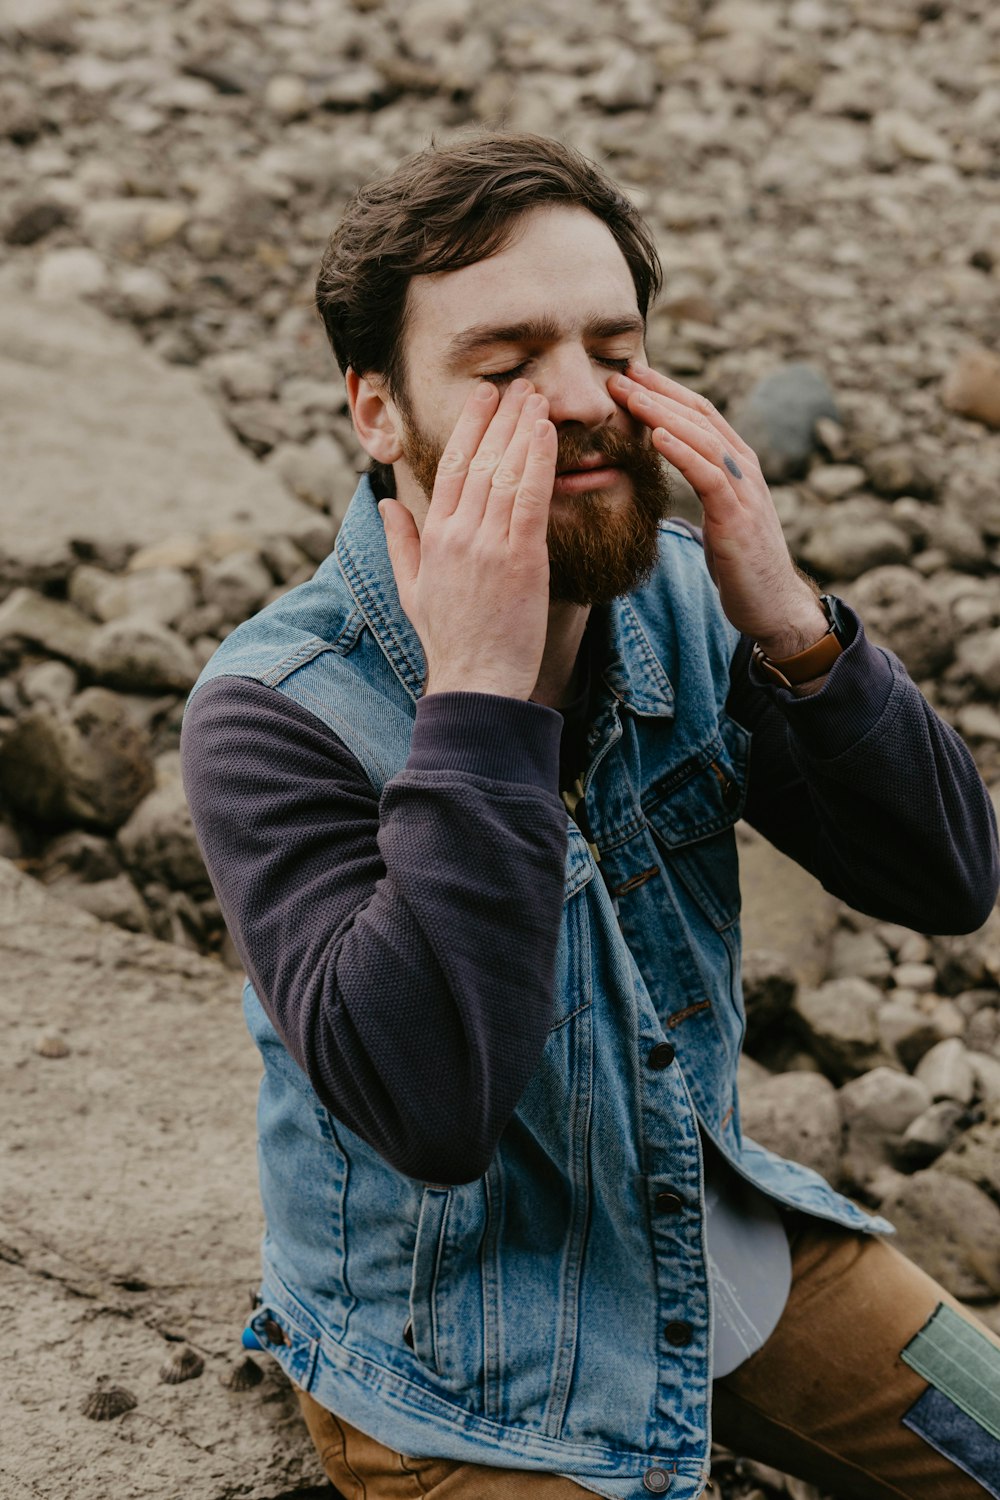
pixel 814 661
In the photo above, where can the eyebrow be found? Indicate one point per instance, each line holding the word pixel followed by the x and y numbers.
pixel 536 331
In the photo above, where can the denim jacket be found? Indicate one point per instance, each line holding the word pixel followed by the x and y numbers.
pixel 529 1319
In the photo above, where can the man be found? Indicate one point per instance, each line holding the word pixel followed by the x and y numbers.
pixel 467 799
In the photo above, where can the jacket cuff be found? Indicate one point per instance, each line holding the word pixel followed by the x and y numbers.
pixel 848 705
pixel 485 734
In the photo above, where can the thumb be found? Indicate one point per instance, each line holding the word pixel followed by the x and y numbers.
pixel 403 541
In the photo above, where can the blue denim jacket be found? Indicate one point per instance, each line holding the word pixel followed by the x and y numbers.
pixel 519 1320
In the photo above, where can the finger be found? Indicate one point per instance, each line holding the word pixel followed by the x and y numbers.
pixel 641 378
pixel 714 488
pixel 510 470
pixel 711 447
pixel 453 466
pixel 403 541
pixel 490 453
pixel 530 514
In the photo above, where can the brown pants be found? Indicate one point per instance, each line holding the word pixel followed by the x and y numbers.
pixel 822 1400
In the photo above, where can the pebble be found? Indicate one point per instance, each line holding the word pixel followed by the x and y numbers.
pixel 155 593
pixel 51 1044
pixel 66 274
pixel 29 619
pixel 52 682
pixel 877 1108
pixel 158 841
pixel 237 584
pixel 778 417
pixel 929 1134
pixel 136 654
pixel 901 611
pixel 975 1155
pixel 287 97
pixel 947 1072
pixel 972 386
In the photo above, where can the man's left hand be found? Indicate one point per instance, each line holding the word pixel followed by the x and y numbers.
pixel 761 590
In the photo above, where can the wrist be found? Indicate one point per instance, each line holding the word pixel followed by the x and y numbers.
pixel 796 635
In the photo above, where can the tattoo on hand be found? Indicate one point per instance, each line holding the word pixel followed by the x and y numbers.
pixel 732 466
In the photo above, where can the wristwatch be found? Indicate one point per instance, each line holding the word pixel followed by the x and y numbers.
pixel 816 659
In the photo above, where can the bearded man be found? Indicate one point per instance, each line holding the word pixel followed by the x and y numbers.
pixel 468 799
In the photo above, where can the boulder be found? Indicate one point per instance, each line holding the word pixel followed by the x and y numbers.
pixel 87 763
pixel 947 1072
pixel 158 841
pixel 778 418
pixel 138 655
pixel 975 1155
pixel 951 1229
pixel 29 620
pixel 839 1023
pixel 796 1114
pixel 877 1107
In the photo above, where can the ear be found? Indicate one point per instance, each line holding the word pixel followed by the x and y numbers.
pixel 376 420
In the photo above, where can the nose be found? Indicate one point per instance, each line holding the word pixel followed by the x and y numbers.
pixel 576 387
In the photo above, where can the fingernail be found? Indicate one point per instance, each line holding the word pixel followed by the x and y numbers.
pixel 485 391
pixel 518 387
pixel 534 404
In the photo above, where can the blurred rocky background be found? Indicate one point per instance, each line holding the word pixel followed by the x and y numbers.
pixel 823 178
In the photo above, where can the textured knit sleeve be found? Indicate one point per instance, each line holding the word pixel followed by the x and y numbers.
pixel 867 787
pixel 403 946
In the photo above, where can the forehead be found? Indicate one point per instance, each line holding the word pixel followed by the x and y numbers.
pixel 562 266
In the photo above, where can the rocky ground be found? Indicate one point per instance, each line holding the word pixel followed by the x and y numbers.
pixel 822 177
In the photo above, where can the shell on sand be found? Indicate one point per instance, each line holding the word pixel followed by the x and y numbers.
pixel 243 1375
pixel 49 1044
pixel 107 1401
pixel 184 1363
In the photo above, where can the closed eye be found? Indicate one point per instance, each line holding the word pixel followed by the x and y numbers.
pixel 504 377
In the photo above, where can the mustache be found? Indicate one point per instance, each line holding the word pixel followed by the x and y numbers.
pixel 619 448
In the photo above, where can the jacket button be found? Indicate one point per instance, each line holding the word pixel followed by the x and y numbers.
pixel 678 1334
pixel 731 795
pixel 656 1481
pixel 668 1203
pixel 661 1056
pixel 273 1331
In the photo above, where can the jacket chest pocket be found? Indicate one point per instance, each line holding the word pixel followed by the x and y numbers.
pixel 691 812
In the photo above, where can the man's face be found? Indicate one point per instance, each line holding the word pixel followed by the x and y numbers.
pixel 558 307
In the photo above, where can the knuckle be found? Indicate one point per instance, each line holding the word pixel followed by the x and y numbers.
pixel 451 460
pixel 484 460
pixel 505 477
pixel 704 406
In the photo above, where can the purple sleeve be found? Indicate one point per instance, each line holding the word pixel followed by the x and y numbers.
pixel 867 787
pixel 403 946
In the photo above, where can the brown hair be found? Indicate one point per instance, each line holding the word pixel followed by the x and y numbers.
pixel 448 207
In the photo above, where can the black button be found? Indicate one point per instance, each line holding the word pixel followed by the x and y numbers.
pixel 661 1056
pixel 731 794
pixel 273 1331
pixel 668 1203
pixel 678 1334
pixel 408 1333
pixel 657 1481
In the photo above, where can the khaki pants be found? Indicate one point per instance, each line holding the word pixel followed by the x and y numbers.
pixel 823 1399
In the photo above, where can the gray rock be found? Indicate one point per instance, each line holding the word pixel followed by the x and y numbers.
pixel 986 1071
pixel 944 529
pixel 978 656
pixel 241 375
pixel 835 481
pixel 237 585
pixel 931 1133
pixel 78 855
pixel 915 976
pixel 88 763
pixel 136 654
pixel 778 418
pixel 839 1022
pixel 876 1109
pixel 161 594
pixel 852 538
pixel 796 1114
pixel 951 1229
pixel 768 991
pixel 908 1032
pixel 144 293
pixel 899 469
pixel 28 619
pixel 65 275
pixel 115 900
pixel 966 961
pixel 318 472
pixel 860 955
pixel 51 682
pixel 947 1072
pixel 900 611
pixel 158 841
pixel 976 1155
pixel 158 458
pixel 31 222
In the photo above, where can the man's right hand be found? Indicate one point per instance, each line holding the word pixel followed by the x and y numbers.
pixel 474 583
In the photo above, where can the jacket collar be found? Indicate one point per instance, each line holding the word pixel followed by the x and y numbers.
pixel 628 664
